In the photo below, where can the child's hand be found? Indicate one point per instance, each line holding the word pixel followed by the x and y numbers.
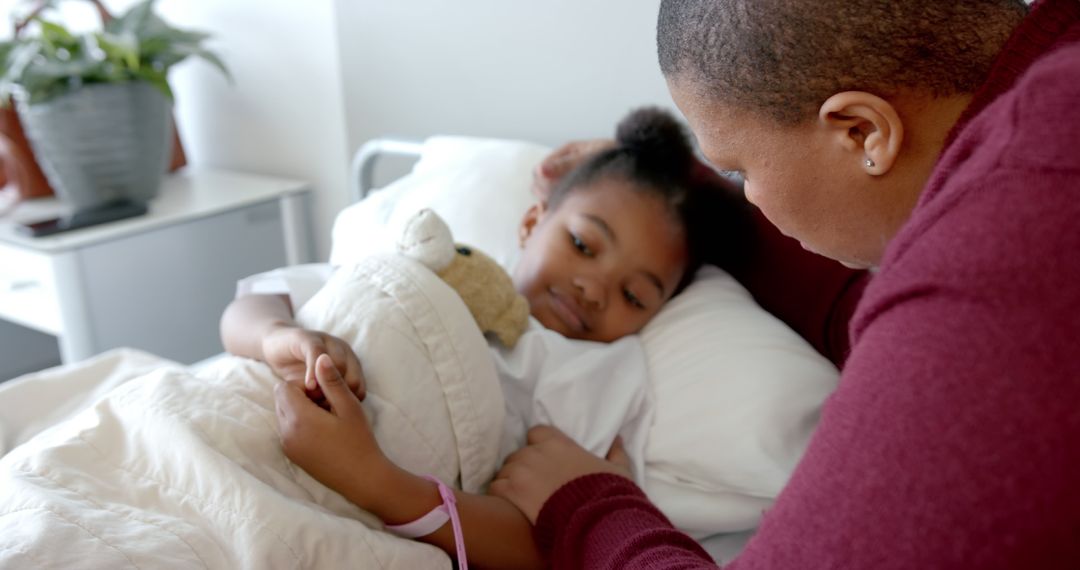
pixel 335 446
pixel 561 161
pixel 292 351
pixel 532 474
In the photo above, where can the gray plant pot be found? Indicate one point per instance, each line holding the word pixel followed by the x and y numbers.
pixel 102 143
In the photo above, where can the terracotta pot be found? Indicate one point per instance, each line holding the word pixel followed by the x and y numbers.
pixel 19 172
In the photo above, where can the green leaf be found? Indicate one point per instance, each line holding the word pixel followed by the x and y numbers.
pixel 121 50
pixel 6 47
pixel 157 79
pixel 206 55
pixel 132 21
pixel 55 34
pixel 57 41
pixel 48 60
pixel 177 36
pixel 20 59
pixel 153 27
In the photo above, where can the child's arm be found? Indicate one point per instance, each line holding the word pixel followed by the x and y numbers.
pixel 338 448
pixel 496 533
pixel 249 319
pixel 262 327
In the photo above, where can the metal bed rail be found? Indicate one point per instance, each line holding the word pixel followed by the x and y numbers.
pixel 362 168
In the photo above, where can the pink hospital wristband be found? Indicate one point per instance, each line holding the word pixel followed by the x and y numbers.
pixel 434 520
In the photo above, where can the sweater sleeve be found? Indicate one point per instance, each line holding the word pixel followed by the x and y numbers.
pixel 605 522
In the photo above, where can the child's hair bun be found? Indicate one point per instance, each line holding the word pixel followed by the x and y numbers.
pixel 654 133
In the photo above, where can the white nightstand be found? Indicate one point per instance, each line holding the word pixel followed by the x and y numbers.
pixel 158 282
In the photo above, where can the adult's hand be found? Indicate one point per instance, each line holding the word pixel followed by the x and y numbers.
pixel 335 445
pixel 561 161
pixel 532 474
pixel 292 352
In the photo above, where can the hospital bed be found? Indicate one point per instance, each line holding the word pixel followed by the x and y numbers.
pixel 751 386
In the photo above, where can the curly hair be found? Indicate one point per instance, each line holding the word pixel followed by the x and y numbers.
pixel 654 154
pixel 784 58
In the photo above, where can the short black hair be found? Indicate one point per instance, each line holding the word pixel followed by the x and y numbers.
pixel 653 153
pixel 784 58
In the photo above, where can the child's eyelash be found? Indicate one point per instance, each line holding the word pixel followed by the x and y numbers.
pixel 632 299
pixel 580 245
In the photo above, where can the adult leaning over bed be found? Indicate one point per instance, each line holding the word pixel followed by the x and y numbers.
pixel 937 142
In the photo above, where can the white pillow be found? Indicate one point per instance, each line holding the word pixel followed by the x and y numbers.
pixel 479 186
pixel 737 392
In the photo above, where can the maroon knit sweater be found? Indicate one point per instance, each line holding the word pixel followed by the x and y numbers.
pixel 953 439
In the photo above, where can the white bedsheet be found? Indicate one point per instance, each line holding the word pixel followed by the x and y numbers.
pixel 178 469
pixel 28 533
pixel 174 470
pixel 36 401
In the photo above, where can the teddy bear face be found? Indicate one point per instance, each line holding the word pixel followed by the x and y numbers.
pixel 489 292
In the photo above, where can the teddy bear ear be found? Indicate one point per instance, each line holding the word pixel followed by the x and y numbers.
pixel 427 239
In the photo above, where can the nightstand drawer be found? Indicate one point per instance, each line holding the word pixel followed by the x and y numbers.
pixel 28 289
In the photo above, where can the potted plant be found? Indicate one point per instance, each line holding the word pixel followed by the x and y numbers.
pixel 96 106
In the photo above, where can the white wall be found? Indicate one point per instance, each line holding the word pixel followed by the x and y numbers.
pixel 284 113
pixel 315 79
pixel 545 71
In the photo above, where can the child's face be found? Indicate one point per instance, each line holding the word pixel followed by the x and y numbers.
pixel 602 263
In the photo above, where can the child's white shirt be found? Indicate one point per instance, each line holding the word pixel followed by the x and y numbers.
pixel 591 391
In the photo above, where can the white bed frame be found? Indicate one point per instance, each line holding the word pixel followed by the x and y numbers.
pixel 362 169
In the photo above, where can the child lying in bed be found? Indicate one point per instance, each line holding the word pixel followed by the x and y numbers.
pixel 612 244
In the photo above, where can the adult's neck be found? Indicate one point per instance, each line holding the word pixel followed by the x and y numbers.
pixel 927 124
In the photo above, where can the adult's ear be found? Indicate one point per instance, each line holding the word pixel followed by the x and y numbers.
pixel 528 222
pixel 866 126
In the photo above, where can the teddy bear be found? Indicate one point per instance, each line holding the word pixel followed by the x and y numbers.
pixel 484 286
pixel 422 318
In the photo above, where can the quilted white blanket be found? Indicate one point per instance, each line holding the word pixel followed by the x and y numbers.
pixel 182 469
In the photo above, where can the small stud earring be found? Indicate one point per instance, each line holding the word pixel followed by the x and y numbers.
pixel 869 163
